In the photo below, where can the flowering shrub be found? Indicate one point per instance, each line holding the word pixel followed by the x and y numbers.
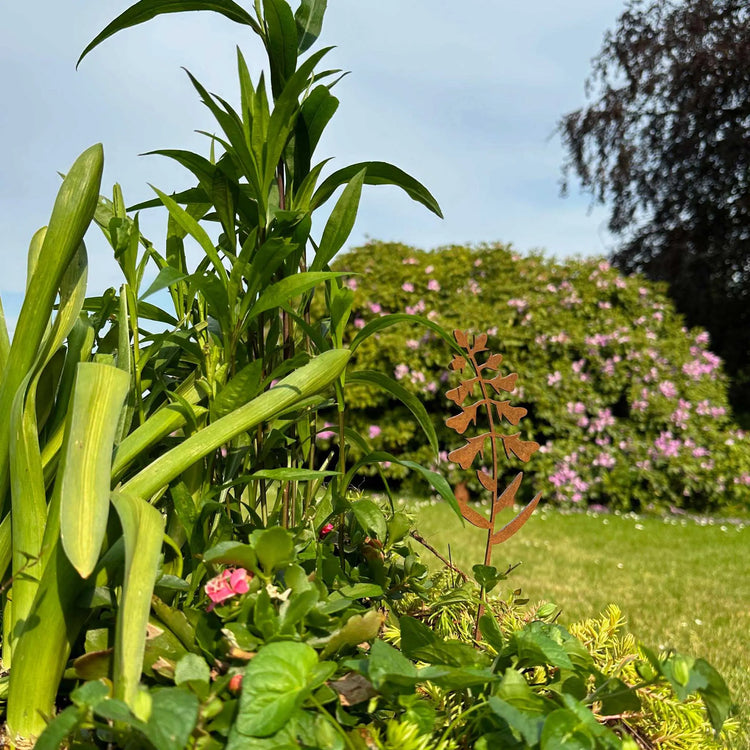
pixel 630 407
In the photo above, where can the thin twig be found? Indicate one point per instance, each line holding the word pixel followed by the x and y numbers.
pixel 418 537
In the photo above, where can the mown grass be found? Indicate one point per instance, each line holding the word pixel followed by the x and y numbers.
pixel 680 584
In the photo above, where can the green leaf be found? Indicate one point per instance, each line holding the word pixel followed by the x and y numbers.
pixel 281 42
pixel 487 576
pixel 395 389
pixel 280 293
pixel 232 553
pixel 85 467
pixel 192 668
pixel 564 731
pixel 378 173
pixel 309 20
pixel 303 382
pixel 540 644
pixel 60 728
pixel 340 222
pixel 378 324
pixel 370 518
pixel 72 213
pixel 388 666
pixel 165 278
pixel 277 681
pixel 239 390
pixel 145 10
pixel 143 530
pixel 528 725
pixel 292 475
pixel 361 591
pixel 491 631
pixel 274 548
pixel 357 629
pixel 174 714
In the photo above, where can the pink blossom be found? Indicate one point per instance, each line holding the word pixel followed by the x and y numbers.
pixel 604 305
pixel 519 304
pixel 667 445
pixel 604 266
pixel 433 285
pixel 478 262
pixel 702 338
pixel 667 388
pixel 554 378
pixel 429 269
pixel 352 284
pixel 551 288
pixel 228 583
pixel 474 288
pixel 576 408
pixel 401 371
pixel 605 460
pixel 420 307
pixel 325 530
pixel 407 286
pixel 410 261
pixel 620 283
pixel 359 322
pixel 374 431
pixel 375 307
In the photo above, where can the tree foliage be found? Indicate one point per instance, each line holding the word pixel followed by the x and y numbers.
pixel 665 141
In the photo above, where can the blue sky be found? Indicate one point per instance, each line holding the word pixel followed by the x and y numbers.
pixel 464 96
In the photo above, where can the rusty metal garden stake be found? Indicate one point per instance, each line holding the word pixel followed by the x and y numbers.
pixel 495 410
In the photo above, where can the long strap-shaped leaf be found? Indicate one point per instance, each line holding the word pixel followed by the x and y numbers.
pixel 143 531
pixel 148 9
pixel 82 477
pixel 71 216
pixel 303 382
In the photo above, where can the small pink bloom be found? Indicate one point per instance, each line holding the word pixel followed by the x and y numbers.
pixel 433 285
pixel 407 286
pixel 326 530
pixel 374 431
pixel 235 683
pixel 228 583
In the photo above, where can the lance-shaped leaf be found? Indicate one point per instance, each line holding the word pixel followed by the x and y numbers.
pixel 514 414
pixel 472 516
pixel 522 449
pixel 147 9
pixel 488 482
pixel 309 21
pixel 143 531
pixel 98 398
pixel 504 382
pixel 513 526
pixel 465 455
pixel 460 422
pixel 509 493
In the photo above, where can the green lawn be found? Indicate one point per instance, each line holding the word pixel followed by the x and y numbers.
pixel 680 584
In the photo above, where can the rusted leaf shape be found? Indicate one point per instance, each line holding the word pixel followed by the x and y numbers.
pixel 461 421
pixel 465 455
pixel 486 480
pixel 458 363
pixel 480 343
pixel 509 493
pixel 504 382
pixel 461 339
pixel 523 449
pixel 458 395
pixel 494 361
pixel 514 414
pixel 513 526
pixel 477 519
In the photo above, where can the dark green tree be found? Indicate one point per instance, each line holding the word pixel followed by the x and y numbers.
pixel 665 141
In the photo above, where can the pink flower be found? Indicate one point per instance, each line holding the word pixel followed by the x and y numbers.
pixel 702 338
pixel 668 389
pixel 407 286
pixel 375 307
pixel 433 285
pixel 359 322
pixel 325 530
pixel 554 378
pixel 352 284
pixel 374 431
pixel 230 582
pixel 429 269
pixel 410 261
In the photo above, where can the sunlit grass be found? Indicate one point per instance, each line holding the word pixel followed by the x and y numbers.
pixel 680 584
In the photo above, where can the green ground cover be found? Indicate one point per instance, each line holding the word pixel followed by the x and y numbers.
pixel 679 583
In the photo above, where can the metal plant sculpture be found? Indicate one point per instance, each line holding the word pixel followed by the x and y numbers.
pixel 495 411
